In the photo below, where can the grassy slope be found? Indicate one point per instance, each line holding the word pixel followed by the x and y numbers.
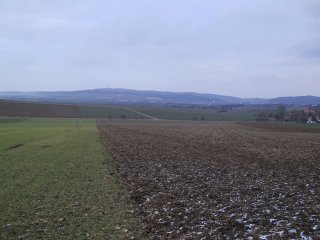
pixel 92 111
pixel 59 184
pixel 191 113
pixel 119 112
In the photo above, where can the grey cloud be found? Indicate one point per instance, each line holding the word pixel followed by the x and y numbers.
pixel 226 47
pixel 312 8
pixel 312 51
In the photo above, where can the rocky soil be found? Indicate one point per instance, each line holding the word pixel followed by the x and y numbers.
pixel 218 180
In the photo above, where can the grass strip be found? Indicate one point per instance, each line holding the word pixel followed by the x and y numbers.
pixel 60 184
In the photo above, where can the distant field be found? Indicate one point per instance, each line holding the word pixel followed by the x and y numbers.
pixel 197 114
pixel 29 109
pixel 26 109
pixel 57 182
pixel 284 127
pixel 165 113
pixel 110 112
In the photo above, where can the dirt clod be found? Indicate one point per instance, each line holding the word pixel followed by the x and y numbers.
pixel 15 146
pixel 218 180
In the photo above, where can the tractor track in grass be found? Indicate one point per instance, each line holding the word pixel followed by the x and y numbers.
pixel 218 180
pixel 145 115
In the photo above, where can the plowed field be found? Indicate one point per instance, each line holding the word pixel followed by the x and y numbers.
pixel 25 109
pixel 218 180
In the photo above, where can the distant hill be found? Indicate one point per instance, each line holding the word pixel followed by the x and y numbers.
pixel 300 100
pixel 127 96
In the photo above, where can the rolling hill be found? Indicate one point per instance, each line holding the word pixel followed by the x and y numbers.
pixel 127 96
pixel 300 100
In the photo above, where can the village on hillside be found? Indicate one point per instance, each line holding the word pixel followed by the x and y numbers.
pixel 309 114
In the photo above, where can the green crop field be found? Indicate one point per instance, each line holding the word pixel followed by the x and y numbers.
pixel 50 110
pixel 174 113
pixel 96 111
pixel 58 183
pixel 164 113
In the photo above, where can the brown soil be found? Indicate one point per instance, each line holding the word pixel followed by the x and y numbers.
pixel 15 146
pixel 284 127
pixel 218 180
pixel 16 109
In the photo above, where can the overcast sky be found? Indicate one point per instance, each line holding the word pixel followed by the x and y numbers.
pixel 243 48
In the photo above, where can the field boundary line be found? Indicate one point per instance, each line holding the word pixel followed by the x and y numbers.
pixel 140 113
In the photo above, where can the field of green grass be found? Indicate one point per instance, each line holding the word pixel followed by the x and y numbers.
pixel 29 109
pixel 57 182
pixel 96 111
pixel 164 113
pixel 173 113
